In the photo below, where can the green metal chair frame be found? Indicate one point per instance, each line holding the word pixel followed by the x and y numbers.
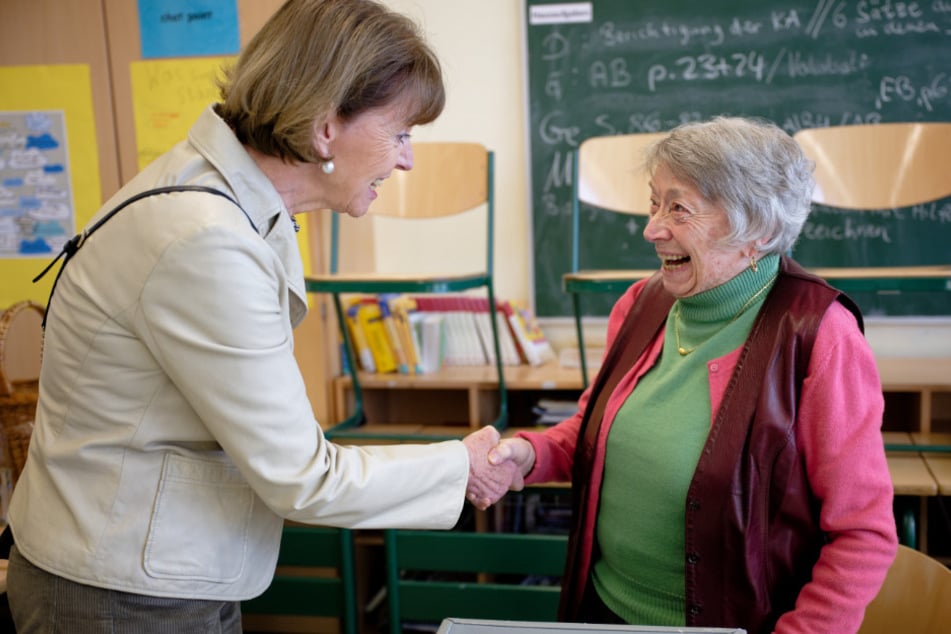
pixel 880 166
pixel 607 173
pixel 415 598
pixel 432 191
pixel 300 595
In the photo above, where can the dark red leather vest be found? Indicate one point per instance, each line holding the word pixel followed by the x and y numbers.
pixel 752 531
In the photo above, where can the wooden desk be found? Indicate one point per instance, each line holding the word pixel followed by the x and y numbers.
pixel 932 442
pixel 940 468
pixel 911 476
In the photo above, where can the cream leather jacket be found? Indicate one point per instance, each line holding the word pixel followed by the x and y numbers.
pixel 173 432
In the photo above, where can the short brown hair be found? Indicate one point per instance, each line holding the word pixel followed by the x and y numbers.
pixel 314 58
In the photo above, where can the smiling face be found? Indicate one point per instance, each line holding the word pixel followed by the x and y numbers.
pixel 365 149
pixel 688 232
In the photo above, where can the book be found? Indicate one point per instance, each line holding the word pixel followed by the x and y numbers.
pixel 552 411
pixel 507 347
pixel 463 346
pixel 369 319
pixel 431 332
pixel 401 306
pixel 531 339
pixel 393 335
pixel 360 346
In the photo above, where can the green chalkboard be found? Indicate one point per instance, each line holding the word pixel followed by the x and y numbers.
pixel 626 66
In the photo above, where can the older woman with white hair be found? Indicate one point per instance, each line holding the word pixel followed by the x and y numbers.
pixel 727 462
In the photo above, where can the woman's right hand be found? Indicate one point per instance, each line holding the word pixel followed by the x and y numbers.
pixel 517 450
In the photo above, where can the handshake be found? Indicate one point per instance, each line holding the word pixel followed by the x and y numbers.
pixel 495 466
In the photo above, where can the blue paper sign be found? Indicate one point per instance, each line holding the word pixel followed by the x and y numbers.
pixel 183 28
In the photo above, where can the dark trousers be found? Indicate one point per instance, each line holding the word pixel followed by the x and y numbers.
pixel 43 603
pixel 593 610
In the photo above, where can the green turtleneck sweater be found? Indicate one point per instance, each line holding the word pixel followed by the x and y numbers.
pixel 653 448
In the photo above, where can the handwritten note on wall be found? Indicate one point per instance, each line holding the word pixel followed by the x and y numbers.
pixel 167 97
pixel 180 28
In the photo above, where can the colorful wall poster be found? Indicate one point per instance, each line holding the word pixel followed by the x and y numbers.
pixel 181 28
pixel 36 206
pixel 49 171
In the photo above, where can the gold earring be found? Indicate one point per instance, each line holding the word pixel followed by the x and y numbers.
pixel 753 264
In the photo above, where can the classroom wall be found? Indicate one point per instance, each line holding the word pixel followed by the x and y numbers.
pixel 480 45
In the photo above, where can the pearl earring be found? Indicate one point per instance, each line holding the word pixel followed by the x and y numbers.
pixel 327 167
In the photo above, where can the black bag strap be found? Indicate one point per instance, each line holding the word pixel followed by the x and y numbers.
pixel 77 241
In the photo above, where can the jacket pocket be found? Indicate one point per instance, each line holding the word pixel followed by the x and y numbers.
pixel 200 521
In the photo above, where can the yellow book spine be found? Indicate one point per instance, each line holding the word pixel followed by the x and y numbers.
pixel 401 306
pixel 358 337
pixel 393 335
pixel 371 321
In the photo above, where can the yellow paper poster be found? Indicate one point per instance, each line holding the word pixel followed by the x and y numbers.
pixel 49 171
pixel 168 95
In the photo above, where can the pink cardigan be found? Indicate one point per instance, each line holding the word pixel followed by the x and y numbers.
pixel 839 430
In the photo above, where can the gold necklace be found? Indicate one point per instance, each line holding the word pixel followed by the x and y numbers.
pixel 685 351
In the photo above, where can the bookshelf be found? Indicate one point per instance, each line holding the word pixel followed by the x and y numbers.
pixel 455 400
pixel 917 394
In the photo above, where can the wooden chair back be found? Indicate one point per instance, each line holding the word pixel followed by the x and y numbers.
pixel 446 179
pixel 879 166
pixel 611 172
pixel 916 597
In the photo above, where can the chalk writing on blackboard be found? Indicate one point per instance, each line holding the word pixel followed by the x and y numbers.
pixel 652 65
